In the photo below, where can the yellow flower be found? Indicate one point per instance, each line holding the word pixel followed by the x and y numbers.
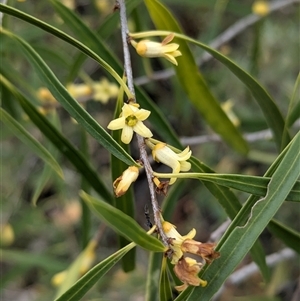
pixel 146 48
pixel 261 8
pixel 79 90
pixel 122 183
pixel 130 121
pixel 162 153
pixel 177 240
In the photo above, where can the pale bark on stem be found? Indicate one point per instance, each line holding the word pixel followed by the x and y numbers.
pixel 140 139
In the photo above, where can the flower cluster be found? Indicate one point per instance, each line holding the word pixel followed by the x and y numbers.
pixel 101 91
pixel 186 268
pixel 130 121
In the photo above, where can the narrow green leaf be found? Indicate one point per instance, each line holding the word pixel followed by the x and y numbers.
pixel 19 14
pixel 289 236
pixel 85 283
pixel 70 104
pixel 41 183
pixel 74 270
pixel 30 141
pixel 60 142
pixel 152 284
pixel 123 224
pixel 125 203
pixel 252 184
pixel 47 171
pixel 241 239
pixel 193 82
pixel 165 292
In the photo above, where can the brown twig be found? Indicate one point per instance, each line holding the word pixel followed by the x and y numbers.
pixel 140 139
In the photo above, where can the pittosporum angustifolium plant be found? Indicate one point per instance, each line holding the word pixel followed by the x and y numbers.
pixel 80 74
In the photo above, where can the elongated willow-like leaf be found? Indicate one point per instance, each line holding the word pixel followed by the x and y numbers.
pixel 60 142
pixel 70 104
pixel 85 283
pixel 152 285
pixel 156 118
pixel 193 82
pixel 125 203
pixel 30 141
pixel 74 271
pixel 251 184
pixel 47 171
pixel 232 206
pixel 123 224
pixel 242 238
pixel 165 292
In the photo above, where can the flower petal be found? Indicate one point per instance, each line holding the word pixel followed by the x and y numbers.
pixel 142 130
pixel 170 58
pixel 170 47
pixel 127 134
pixel 185 166
pixel 142 114
pixel 116 124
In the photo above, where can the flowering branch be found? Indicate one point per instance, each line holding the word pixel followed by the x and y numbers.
pixel 140 139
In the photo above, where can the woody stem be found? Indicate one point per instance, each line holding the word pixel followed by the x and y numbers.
pixel 141 144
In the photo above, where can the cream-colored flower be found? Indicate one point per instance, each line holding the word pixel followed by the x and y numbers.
pixel 177 239
pixel 122 183
pixel 79 90
pixel 178 162
pixel 146 48
pixel 130 121
pixel 104 90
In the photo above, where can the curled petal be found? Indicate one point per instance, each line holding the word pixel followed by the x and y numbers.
pixel 127 134
pixel 170 58
pixel 142 130
pixel 170 48
pixel 176 53
pixel 205 250
pixel 185 154
pixel 187 270
pixel 116 124
pixel 185 166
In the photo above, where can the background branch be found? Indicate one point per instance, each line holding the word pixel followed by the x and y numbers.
pixel 220 40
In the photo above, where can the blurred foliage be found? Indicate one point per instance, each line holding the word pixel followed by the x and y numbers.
pixel 40 241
